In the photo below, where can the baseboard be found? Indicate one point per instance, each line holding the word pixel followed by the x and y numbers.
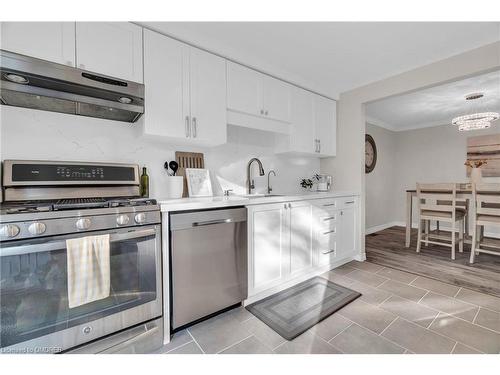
pixel 378 228
pixel 414 225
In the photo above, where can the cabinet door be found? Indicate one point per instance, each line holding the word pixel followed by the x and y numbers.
pixel 276 99
pixel 268 245
pixel 325 124
pixel 327 234
pixel 166 86
pixel 110 48
pixel 301 236
pixel 302 119
pixel 51 41
pixel 208 97
pixel 244 89
pixel 348 230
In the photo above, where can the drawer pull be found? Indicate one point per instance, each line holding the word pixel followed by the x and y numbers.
pixel 330 231
pixel 329 204
pixel 327 252
pixel 349 202
pixel 329 218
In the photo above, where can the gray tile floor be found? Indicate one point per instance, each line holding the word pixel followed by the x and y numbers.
pixel 398 313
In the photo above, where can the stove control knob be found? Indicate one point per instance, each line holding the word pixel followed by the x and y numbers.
pixel 9 230
pixel 82 224
pixel 37 228
pixel 122 220
pixel 140 218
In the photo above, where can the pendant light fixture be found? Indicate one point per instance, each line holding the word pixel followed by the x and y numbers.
pixel 476 119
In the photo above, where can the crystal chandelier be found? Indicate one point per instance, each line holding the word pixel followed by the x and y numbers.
pixel 475 120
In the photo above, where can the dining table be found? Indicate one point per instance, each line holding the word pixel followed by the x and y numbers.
pixel 464 192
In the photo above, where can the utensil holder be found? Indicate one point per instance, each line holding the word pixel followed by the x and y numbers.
pixel 175 186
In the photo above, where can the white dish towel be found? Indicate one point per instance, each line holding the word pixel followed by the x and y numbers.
pixel 88 269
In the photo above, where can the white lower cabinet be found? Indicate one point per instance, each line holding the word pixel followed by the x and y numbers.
pixel 269 241
pixel 291 240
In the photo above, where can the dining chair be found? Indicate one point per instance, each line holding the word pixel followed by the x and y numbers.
pixel 462 204
pixel 486 211
pixel 438 202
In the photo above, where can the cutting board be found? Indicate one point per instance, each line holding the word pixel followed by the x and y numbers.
pixel 188 160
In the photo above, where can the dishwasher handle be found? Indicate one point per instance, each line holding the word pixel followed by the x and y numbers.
pixel 212 222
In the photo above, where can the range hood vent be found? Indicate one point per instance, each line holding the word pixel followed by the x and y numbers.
pixel 38 84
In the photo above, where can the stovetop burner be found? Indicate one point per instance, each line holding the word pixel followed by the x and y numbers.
pixel 75 204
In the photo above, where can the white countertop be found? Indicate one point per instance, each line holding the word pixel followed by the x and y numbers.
pixel 237 200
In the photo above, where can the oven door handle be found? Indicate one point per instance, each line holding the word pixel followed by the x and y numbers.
pixel 58 245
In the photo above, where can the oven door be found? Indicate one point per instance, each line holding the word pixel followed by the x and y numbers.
pixel 34 312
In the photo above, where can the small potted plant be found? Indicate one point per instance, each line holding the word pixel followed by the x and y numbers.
pixel 475 172
pixel 306 184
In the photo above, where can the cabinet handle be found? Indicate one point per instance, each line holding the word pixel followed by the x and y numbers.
pixel 316 145
pixel 319 145
pixel 286 206
pixel 327 252
pixel 195 128
pixel 349 202
pixel 341 213
pixel 289 205
pixel 265 112
pixel 261 111
pixel 188 131
pixel 329 204
pixel 330 218
pixel 330 231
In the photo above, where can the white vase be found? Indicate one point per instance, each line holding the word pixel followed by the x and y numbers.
pixel 476 176
pixel 175 186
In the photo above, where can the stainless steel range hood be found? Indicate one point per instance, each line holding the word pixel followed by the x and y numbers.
pixel 38 84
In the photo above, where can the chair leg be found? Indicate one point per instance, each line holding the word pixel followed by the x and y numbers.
pixel 427 230
pixel 461 237
pixel 473 245
pixel 453 242
pixel 419 235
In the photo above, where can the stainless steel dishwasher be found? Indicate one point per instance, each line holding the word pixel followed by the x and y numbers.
pixel 208 262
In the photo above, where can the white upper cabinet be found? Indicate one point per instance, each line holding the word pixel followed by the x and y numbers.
pixel 325 124
pixel 110 48
pixel 51 41
pixel 244 89
pixel 313 127
pixel 257 94
pixel 166 94
pixel 185 92
pixel 208 97
pixel 276 99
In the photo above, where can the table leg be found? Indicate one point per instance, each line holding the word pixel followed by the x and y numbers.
pixel 408 218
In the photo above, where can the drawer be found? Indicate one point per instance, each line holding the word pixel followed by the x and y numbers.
pixel 327 203
pixel 329 220
pixel 348 202
pixel 327 248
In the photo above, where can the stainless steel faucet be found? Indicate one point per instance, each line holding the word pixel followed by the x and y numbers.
pixel 269 188
pixel 250 181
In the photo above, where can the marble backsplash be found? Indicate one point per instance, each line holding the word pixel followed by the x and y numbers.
pixel 32 134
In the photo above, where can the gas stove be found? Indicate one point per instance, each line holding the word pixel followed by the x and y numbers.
pixel 51 197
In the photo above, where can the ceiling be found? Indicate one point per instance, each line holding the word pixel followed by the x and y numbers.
pixel 333 57
pixel 437 105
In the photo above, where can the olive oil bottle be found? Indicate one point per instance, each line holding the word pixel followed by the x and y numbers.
pixel 144 183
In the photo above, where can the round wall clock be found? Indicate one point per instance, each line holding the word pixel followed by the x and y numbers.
pixel 370 153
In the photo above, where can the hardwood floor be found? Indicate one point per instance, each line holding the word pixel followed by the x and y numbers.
pixel 387 248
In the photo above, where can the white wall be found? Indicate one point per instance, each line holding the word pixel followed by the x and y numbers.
pixel 348 165
pixel 433 154
pixel 380 183
pixel 32 134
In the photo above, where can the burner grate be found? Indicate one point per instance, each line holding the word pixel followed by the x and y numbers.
pixel 67 204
